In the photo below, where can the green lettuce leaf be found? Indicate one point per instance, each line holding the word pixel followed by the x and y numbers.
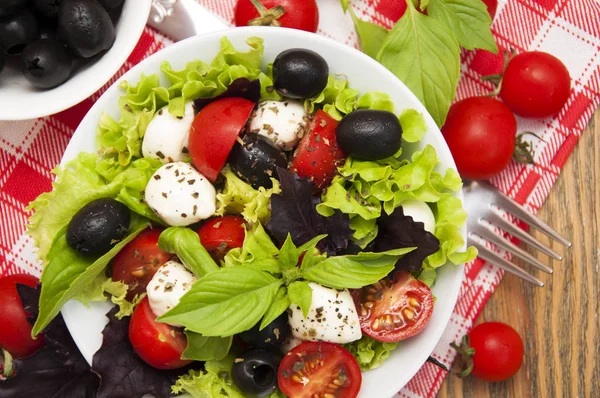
pixel 370 353
pixel 238 197
pixel 77 184
pixel 212 382
pixel 104 287
pixel 337 98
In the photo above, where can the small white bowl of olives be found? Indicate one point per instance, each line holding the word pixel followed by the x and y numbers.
pixel 56 53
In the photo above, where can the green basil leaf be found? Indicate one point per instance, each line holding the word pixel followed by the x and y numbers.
pixel 226 302
pixel 469 19
pixel 280 303
pixel 341 273
pixel 425 55
pixel 345 4
pixel 413 125
pixel 380 259
pixel 203 348
pixel 370 35
pixel 185 243
pixel 288 254
pixel 311 244
pixel 311 258
pixel 300 294
pixel 68 272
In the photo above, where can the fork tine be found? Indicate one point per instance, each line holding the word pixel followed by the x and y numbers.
pixel 487 233
pixel 522 235
pixel 496 259
pixel 517 210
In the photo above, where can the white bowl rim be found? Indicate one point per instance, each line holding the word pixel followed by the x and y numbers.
pixel 125 42
pixel 450 295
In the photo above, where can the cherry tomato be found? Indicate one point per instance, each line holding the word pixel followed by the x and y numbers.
pixel 15 332
pixel 214 132
pixel 498 351
pixel 158 344
pixel 221 234
pixel 318 369
pixel 318 155
pixel 298 14
pixel 393 310
pixel 535 84
pixel 138 261
pixel 492 6
pixel 480 132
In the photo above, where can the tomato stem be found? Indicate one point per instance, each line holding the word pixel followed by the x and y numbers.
pixel 466 353
pixel 496 79
pixel 523 152
pixel 268 17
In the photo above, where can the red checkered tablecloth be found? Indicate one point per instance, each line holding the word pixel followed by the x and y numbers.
pixel 569 29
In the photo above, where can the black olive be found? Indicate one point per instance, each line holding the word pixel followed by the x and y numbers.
pixel 370 134
pixel 256 161
pixel 98 226
pixel 8 7
pixel 17 30
pixel 86 27
pixel 110 4
pixel 46 63
pixel 271 337
pixel 255 372
pixel 47 29
pixel 300 73
pixel 48 8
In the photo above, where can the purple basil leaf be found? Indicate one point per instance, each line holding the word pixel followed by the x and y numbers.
pixel 294 211
pixel 398 231
pixel 241 88
pixel 123 373
pixel 58 370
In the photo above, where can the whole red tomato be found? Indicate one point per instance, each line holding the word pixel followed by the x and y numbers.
pixel 158 344
pixel 535 84
pixel 498 351
pixel 297 14
pixel 492 6
pixel 480 132
pixel 15 331
pixel 221 234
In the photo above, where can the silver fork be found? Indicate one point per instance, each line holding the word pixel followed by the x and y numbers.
pixel 484 204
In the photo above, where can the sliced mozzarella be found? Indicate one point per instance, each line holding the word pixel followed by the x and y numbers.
pixel 420 212
pixel 332 317
pixel 167 136
pixel 282 122
pixel 167 286
pixel 180 195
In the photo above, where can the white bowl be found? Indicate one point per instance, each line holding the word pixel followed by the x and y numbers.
pixel 20 101
pixel 364 74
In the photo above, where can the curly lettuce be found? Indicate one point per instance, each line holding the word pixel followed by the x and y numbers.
pixel 104 287
pixel 370 353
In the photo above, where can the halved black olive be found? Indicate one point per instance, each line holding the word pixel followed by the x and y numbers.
pixel 271 337
pixel 48 8
pixel 256 161
pixel 98 226
pixel 300 73
pixel 17 30
pixel 86 27
pixel 255 372
pixel 8 7
pixel 46 63
pixel 370 134
pixel 110 4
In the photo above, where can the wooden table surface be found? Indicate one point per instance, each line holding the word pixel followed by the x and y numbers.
pixel 559 323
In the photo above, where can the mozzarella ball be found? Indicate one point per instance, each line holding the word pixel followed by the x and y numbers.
pixel 167 136
pixel 282 122
pixel 420 212
pixel 171 281
pixel 332 317
pixel 180 195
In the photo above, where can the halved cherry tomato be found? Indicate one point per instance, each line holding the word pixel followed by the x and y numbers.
pixel 396 309
pixel 319 369
pixel 297 14
pixel 15 331
pixel 139 260
pixel 221 234
pixel 214 131
pixel 158 344
pixel 318 155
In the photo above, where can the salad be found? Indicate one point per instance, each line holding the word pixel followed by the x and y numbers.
pixel 260 231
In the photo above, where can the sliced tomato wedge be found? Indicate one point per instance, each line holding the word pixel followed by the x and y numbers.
pixel 221 234
pixel 318 154
pixel 319 369
pixel 394 309
pixel 214 131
